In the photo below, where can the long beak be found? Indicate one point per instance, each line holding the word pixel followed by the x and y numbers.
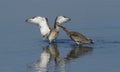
pixel 69 19
pixel 26 20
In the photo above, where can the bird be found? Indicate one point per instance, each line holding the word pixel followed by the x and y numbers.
pixel 77 37
pixel 47 32
pixel 42 23
pixel 78 51
pixel 55 31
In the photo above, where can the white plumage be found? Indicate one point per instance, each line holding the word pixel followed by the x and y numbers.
pixel 42 23
pixel 45 30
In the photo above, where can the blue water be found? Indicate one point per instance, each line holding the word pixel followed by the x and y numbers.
pixel 21 45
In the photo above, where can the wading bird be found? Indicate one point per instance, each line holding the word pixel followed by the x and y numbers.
pixel 46 31
pixel 77 37
pixel 55 31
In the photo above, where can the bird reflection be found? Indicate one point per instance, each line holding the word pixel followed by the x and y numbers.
pixel 55 55
pixel 50 52
pixel 77 52
pixel 42 64
pixel 53 50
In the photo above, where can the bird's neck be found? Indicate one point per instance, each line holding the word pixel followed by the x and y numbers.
pixel 56 26
pixel 66 30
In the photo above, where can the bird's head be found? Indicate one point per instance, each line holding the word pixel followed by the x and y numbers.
pixel 62 19
pixel 37 20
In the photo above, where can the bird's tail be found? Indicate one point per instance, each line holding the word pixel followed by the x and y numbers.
pixel 91 41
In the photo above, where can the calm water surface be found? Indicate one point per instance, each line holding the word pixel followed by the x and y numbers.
pixel 21 46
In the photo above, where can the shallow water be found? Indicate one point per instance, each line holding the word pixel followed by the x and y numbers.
pixel 21 46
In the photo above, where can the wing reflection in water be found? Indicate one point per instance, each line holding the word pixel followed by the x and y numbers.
pixel 50 52
pixel 77 52
pixel 42 64
pixel 59 61
pixel 53 50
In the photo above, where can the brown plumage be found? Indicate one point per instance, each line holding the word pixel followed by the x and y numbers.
pixel 55 31
pixel 78 51
pixel 77 37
